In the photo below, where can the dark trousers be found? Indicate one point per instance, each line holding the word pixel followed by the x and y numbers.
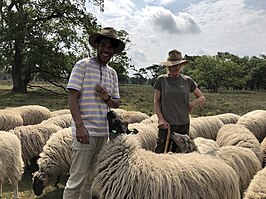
pixel 162 134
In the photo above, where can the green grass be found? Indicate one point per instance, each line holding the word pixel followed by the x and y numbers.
pixel 52 100
pixel 133 97
pixel 140 97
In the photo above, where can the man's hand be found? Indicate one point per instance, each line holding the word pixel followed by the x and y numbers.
pixel 82 135
pixel 102 91
pixel 162 124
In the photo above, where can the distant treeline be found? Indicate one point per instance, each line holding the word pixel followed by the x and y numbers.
pixel 222 71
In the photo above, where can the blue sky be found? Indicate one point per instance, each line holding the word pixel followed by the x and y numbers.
pixel 194 27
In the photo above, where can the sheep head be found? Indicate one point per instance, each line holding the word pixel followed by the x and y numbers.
pixel 117 125
pixel 39 181
pixel 184 142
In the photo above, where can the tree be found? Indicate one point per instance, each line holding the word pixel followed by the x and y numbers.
pixel 256 75
pixel 155 71
pixel 43 39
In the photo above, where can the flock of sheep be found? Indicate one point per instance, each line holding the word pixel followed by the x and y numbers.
pixel 228 161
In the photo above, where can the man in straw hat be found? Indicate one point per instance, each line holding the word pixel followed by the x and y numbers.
pixel 93 89
pixel 171 101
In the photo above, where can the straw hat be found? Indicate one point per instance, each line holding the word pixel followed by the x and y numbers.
pixel 174 58
pixel 109 33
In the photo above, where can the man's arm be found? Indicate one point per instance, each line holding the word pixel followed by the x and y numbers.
pixel 82 134
pixel 103 93
pixel 156 105
pixel 200 99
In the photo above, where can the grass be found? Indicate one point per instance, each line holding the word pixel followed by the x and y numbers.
pixel 133 97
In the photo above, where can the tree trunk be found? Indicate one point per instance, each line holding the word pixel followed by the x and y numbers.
pixel 19 85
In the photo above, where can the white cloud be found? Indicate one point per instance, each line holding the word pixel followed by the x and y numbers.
pixel 160 2
pixel 165 20
pixel 230 26
pixel 205 27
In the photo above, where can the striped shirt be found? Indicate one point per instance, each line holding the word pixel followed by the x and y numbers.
pixel 84 76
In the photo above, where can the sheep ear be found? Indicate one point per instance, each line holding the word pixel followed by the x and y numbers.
pixel 133 131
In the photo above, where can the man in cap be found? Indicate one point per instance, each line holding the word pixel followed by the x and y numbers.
pixel 93 89
pixel 171 101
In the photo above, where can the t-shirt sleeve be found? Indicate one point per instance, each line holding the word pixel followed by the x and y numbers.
pixel 115 92
pixel 158 85
pixel 76 77
pixel 193 85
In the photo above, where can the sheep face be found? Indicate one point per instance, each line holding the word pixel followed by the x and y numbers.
pixel 39 181
pixel 184 142
pixel 117 125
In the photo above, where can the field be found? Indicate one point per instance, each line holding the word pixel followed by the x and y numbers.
pixel 138 97
pixel 133 97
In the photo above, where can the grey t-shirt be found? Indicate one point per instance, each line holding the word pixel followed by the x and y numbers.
pixel 174 102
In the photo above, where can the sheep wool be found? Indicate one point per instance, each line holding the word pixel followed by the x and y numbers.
pixel 257 187
pixel 146 136
pixel 9 119
pixel 54 161
pixel 11 164
pixel 263 148
pixel 243 161
pixel 60 112
pixel 151 119
pixel 125 170
pixel 228 118
pixel 255 121
pixel 55 158
pixel 206 127
pixel 239 135
pixel 131 116
pixel 63 121
pixel 204 145
pixel 33 138
pixel 33 114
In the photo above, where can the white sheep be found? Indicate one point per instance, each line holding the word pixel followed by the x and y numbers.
pixel 206 127
pixel 55 159
pixel 11 163
pixel 32 114
pixel 131 116
pixel 257 186
pixel 151 119
pixel 207 146
pixel 255 121
pixel 125 170
pixel 9 119
pixel 263 149
pixel 239 135
pixel 243 161
pixel 63 121
pixel 187 145
pixel 33 138
pixel 147 134
pixel 228 118
pixel 60 112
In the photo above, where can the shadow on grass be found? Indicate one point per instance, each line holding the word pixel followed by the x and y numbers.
pixel 26 191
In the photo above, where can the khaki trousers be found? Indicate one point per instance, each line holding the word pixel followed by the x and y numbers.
pixel 84 157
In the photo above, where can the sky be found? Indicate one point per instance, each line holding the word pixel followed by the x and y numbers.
pixel 194 27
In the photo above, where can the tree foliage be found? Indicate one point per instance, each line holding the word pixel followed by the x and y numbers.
pixel 43 39
pixel 228 71
pixel 222 71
